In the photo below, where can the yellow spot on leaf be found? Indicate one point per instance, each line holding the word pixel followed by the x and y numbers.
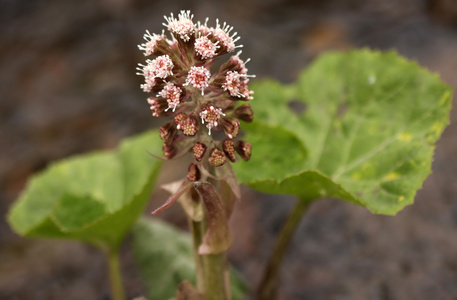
pixel 392 176
pixel 405 137
pixel 401 198
pixel 355 175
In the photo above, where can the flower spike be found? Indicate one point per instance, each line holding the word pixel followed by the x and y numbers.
pixel 198 95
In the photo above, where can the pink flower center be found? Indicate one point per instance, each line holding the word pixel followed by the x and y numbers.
pixel 162 66
pixel 198 77
pixel 183 26
pixel 210 115
pixel 205 48
pixel 173 95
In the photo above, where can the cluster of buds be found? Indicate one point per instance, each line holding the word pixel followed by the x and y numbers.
pixel 198 100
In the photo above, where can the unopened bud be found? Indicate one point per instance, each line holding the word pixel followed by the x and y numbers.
pixel 199 150
pixel 244 149
pixel 229 149
pixel 230 126
pixel 168 132
pixel 193 173
pixel 234 64
pixel 245 92
pixel 158 106
pixel 217 158
pixel 244 112
pixel 169 150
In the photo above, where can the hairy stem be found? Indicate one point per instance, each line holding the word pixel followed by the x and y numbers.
pixel 268 287
pixel 117 288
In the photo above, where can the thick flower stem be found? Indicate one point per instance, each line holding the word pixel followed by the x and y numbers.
pixel 197 237
pixel 117 288
pixel 217 282
pixel 268 287
pixel 211 270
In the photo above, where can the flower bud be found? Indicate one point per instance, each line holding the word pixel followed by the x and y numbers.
pixel 168 133
pixel 246 94
pixel 169 150
pixel 244 113
pixel 229 149
pixel 193 173
pixel 244 149
pixel 158 106
pixel 230 126
pixel 188 124
pixel 179 118
pixel 217 158
pixel 234 64
pixel 199 150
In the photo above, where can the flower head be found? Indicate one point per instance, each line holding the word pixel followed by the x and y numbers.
pixel 182 27
pixel 200 96
pixel 210 115
pixel 172 93
pixel 198 77
pixel 205 48
pixel 152 43
pixel 225 38
pixel 161 67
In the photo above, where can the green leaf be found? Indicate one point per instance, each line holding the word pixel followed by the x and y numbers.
pixel 276 153
pixel 370 123
pixel 165 258
pixel 95 197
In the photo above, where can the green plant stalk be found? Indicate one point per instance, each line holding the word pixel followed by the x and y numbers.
pixel 197 237
pixel 212 274
pixel 215 268
pixel 217 281
pixel 117 288
pixel 268 287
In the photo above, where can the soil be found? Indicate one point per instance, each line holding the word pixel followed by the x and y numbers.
pixel 67 86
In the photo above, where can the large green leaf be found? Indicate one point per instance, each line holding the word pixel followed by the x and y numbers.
pixel 165 258
pixel 369 123
pixel 95 197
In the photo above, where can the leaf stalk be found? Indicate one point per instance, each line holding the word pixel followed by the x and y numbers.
pixel 117 288
pixel 268 287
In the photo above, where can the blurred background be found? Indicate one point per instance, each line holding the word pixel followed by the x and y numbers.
pixel 68 85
